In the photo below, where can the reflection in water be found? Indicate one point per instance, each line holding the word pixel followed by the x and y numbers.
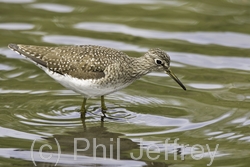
pixel 94 145
pixel 208 42
pixel 88 146
pixel 93 136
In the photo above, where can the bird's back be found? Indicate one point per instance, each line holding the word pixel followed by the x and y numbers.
pixel 83 61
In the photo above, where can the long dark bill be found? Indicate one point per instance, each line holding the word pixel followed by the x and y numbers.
pixel 172 75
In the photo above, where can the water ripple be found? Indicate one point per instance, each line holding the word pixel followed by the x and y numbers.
pixel 66 159
pixel 17 1
pixel 16 26
pixel 244 3
pixel 128 1
pixel 66 116
pixel 207 9
pixel 184 125
pixel 10 54
pixel 53 7
pixel 133 99
pixel 205 86
pixel 205 38
pixel 7 132
pixel 213 62
pixel 4 67
pixel 75 40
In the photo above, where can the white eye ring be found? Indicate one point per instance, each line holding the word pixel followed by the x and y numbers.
pixel 158 62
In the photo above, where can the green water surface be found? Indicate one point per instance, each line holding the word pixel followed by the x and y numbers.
pixel 208 42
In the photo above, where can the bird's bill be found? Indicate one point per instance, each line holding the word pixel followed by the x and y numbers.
pixel 172 75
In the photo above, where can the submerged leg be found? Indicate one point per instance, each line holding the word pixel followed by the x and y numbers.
pixel 83 120
pixel 104 108
pixel 83 109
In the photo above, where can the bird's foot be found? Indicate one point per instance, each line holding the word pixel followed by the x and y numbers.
pixel 104 114
pixel 107 117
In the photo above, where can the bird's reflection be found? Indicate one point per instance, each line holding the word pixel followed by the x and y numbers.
pixel 97 142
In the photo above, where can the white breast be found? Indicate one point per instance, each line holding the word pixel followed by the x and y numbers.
pixel 88 87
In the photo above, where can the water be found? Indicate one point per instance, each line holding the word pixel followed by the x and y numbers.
pixel 209 46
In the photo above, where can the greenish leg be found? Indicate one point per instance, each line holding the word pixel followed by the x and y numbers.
pixel 83 109
pixel 83 121
pixel 104 108
pixel 83 113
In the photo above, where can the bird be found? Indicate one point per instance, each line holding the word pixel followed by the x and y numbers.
pixel 92 70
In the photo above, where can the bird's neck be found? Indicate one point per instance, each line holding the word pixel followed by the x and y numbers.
pixel 138 67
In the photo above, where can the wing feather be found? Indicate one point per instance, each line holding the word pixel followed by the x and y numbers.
pixel 83 62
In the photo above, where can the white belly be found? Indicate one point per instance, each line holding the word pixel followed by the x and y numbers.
pixel 88 88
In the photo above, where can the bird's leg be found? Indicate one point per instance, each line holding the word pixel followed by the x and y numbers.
pixel 103 106
pixel 104 109
pixel 83 109
pixel 83 120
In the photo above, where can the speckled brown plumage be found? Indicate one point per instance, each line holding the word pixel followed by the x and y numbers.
pixel 83 62
pixel 91 62
pixel 107 65
pixel 94 70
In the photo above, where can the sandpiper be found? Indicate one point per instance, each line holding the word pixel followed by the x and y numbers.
pixel 94 70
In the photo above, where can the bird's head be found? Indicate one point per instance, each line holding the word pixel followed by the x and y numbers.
pixel 160 60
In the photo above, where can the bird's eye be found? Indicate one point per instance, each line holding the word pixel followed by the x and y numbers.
pixel 158 62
